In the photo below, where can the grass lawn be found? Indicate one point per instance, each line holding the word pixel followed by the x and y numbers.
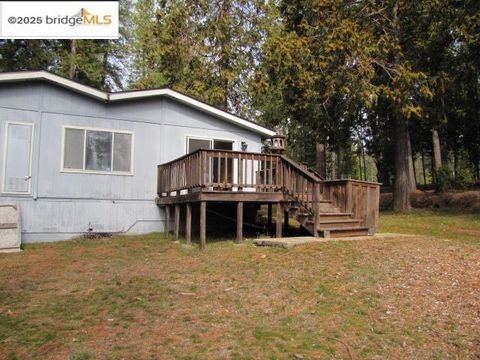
pixel 148 298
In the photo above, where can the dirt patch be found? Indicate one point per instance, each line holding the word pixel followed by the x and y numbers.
pixel 465 200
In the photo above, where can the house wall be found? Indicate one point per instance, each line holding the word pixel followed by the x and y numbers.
pixel 64 205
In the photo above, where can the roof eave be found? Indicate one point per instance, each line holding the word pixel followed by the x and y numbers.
pixel 130 95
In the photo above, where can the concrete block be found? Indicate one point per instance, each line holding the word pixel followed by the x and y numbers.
pixel 10 228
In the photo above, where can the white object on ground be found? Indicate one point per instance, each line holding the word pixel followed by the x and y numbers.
pixel 10 228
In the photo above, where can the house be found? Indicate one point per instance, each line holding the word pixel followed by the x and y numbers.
pixel 78 160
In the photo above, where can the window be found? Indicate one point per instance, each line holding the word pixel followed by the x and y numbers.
pixel 222 145
pixel 195 144
pixel 18 158
pixel 97 150
pixel 216 168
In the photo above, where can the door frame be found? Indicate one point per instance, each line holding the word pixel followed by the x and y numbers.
pixel 212 143
pixel 5 149
pixel 211 139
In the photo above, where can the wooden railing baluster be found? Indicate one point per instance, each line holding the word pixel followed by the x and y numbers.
pixel 226 172
pixel 264 172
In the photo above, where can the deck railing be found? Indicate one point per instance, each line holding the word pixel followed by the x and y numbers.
pixel 224 170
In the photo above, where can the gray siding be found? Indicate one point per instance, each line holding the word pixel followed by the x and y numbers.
pixel 63 205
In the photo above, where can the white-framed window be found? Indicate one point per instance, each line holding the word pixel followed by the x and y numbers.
pixel 216 167
pixel 100 151
pixel 195 143
pixel 17 164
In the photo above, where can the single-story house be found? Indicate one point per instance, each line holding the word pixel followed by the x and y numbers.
pixel 76 159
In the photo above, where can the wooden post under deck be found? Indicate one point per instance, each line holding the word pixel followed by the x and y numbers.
pixel 177 221
pixel 188 224
pixel 279 220
pixel 285 220
pixel 239 222
pixel 269 218
pixel 203 225
pixel 316 197
pixel 167 222
pixel 279 182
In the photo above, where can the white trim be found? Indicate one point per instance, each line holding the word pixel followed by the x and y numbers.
pixel 212 141
pixel 194 137
pixel 44 75
pixel 130 95
pixel 96 172
pixel 30 165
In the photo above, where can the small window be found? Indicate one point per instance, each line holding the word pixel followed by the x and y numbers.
pixel 97 151
pixel 222 145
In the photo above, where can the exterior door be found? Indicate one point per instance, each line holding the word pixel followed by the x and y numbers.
pixel 18 158
pixel 228 163
pixel 216 167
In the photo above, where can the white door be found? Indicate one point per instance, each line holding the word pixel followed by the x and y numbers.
pixel 18 158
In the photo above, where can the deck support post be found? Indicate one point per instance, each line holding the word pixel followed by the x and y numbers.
pixel 316 198
pixel 285 220
pixel 279 220
pixel 188 224
pixel 177 221
pixel 203 225
pixel 239 222
pixel 167 222
pixel 269 216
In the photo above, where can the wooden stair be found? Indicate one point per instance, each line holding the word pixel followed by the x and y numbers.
pixel 332 223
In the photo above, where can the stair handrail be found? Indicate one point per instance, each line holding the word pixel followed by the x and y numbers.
pixel 313 176
pixel 308 200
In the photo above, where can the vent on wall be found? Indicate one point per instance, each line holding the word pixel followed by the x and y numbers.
pixel 16 184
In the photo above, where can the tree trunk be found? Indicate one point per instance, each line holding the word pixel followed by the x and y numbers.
pixel 437 152
pixel 413 173
pixel 455 163
pixel 477 170
pixel 360 166
pixel 224 57
pixel 403 181
pixel 339 163
pixel 73 67
pixel 423 168
pixel 411 165
pixel 320 157
pixel 333 174
pixel 432 168
pixel 402 184
pixel 364 164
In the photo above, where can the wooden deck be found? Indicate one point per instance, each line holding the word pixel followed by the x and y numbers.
pixel 324 208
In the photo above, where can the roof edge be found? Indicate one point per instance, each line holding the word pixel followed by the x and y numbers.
pixel 131 95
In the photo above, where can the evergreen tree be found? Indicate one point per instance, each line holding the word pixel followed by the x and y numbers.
pixel 205 49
